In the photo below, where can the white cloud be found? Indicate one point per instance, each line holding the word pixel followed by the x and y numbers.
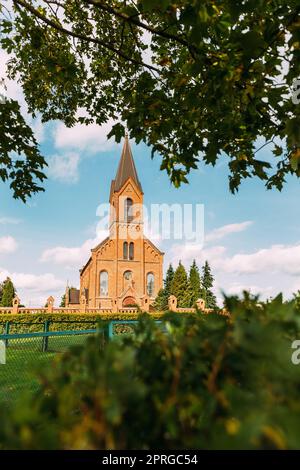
pixel 187 252
pixel 72 143
pixel 34 289
pixel 237 289
pixel 64 167
pixel 91 138
pixel 13 88
pixel 42 283
pixel 39 129
pixel 8 244
pixel 277 258
pixel 225 230
pixel 70 256
pixel 266 271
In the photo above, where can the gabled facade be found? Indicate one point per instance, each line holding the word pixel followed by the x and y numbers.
pixel 126 268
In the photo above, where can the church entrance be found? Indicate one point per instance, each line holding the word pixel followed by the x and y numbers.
pixel 129 302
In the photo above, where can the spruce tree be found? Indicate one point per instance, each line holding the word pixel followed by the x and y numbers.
pixel 63 301
pixel 179 285
pixel 207 284
pixel 168 281
pixel 194 282
pixel 8 293
pixel 187 300
pixel 161 301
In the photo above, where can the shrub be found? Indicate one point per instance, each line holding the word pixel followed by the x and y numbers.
pixel 58 322
pixel 203 381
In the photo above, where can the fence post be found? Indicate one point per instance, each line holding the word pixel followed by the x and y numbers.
pixel 103 335
pixel 45 338
pixel 6 331
pixel 110 330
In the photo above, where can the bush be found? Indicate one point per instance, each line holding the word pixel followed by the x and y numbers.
pixel 59 322
pixel 201 382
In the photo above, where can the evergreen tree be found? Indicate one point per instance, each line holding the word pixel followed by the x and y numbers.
pixel 161 301
pixel 63 301
pixel 8 293
pixel 168 281
pixel 207 284
pixel 297 300
pixel 187 300
pixel 195 283
pixel 179 285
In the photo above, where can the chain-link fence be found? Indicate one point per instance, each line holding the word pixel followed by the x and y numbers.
pixel 23 353
pixel 28 346
pixel 36 326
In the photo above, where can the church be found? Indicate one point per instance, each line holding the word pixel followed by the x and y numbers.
pixel 126 268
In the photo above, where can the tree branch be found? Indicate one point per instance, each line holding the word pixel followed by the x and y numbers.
pixel 82 37
pixel 133 20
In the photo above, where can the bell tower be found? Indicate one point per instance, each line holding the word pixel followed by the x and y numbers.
pixel 125 269
pixel 126 199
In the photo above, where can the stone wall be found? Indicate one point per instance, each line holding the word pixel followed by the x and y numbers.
pixel 83 308
pixel 200 303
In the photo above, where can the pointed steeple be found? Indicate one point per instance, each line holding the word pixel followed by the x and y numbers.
pixel 126 168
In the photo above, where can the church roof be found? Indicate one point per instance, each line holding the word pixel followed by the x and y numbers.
pixel 126 168
pixel 90 258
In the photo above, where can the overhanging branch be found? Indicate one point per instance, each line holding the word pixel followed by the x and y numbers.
pixel 82 37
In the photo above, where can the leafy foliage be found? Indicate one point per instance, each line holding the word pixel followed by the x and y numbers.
pixel 31 322
pixel 297 299
pixel 8 292
pixel 20 160
pixel 206 382
pixel 207 84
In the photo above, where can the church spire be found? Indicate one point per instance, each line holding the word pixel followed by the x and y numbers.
pixel 126 168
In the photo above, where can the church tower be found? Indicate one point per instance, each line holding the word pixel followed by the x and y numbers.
pixel 125 269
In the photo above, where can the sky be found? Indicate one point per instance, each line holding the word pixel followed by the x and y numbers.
pixel 252 238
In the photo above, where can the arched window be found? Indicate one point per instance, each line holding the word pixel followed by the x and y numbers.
pixel 103 284
pixel 150 284
pixel 128 216
pixel 125 250
pixel 131 250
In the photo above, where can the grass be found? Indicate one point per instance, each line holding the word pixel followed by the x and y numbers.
pixel 23 357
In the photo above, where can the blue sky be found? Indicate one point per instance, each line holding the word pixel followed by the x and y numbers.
pixel 252 237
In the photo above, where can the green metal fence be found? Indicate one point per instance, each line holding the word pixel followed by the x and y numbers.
pixel 121 327
pixel 35 326
pixel 27 350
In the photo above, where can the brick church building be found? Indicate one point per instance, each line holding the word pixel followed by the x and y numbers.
pixel 126 268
